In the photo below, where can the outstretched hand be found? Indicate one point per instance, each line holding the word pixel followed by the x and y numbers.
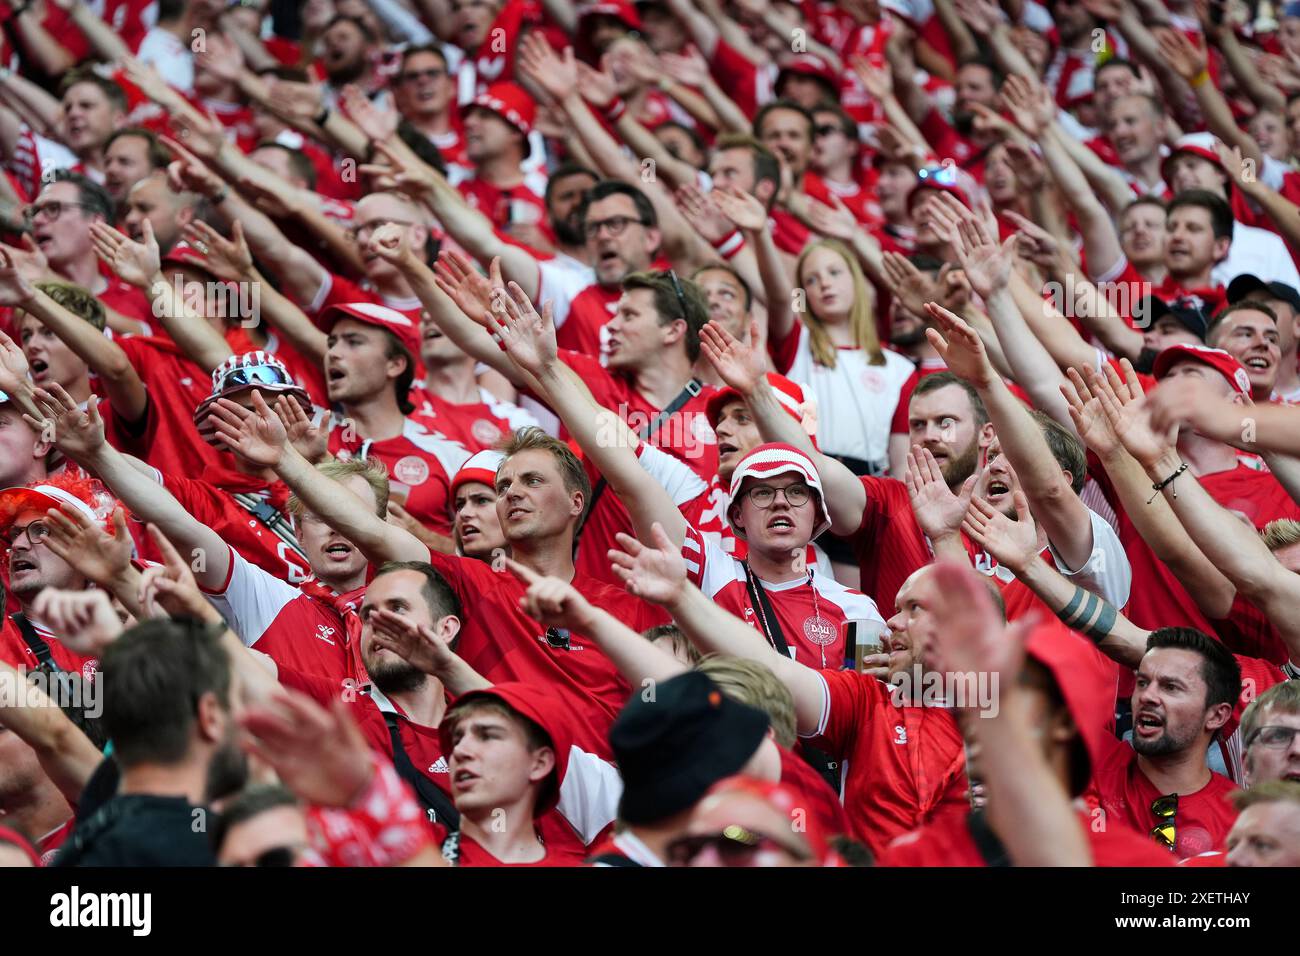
pixel 100 557
pixel 655 572
pixel 1012 543
pixel 739 364
pixel 960 347
pixel 528 338
pixel 77 434
pixel 136 263
pixel 939 512
pixel 256 434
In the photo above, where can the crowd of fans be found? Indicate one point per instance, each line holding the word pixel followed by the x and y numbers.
pixel 672 433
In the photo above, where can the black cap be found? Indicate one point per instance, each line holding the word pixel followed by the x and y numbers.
pixel 671 748
pixel 1245 285
pixel 1185 310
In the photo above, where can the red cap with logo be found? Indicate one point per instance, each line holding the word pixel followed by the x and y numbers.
pixel 509 101
pixel 406 329
pixel 1217 359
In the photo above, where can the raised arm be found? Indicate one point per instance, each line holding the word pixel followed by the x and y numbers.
pixel 1118 435
pixel 259 435
pixel 747 212
pixel 657 573
pixel 80 436
pixel 557 603
pixel 1063 515
pixel 529 340
pixel 846 498
pixel 1191 62
pixel 105 358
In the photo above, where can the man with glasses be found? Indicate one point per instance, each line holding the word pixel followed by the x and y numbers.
pixel 835 159
pixel 424 91
pixel 1270 735
pixel 33 566
pixel 59 221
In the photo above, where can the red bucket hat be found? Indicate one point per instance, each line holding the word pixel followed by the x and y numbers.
pixel 774 458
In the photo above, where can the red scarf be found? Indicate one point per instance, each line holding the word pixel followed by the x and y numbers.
pixel 346 607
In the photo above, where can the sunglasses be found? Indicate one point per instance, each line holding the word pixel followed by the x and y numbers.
pixel 677 291
pixel 939 175
pixel 254 375
pixel 826 130
pixel 1165 809
pixel 558 637
pixel 735 846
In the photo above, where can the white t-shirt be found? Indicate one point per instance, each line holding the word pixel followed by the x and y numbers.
pixel 170 57
pixel 855 399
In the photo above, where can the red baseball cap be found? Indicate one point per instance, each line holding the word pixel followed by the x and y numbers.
pixel 806 64
pixel 512 103
pixel 789 394
pixel 84 494
pixel 1217 359
pixel 406 330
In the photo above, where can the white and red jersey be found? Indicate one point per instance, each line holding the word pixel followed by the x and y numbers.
pixel 217 507
pixel 476 425
pixel 16 651
pixel 298 631
pixel 514 204
pixel 813 611
pixel 36 157
pixel 420 466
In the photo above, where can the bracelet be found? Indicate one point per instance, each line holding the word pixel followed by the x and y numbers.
pixel 730 245
pixel 321 118
pixel 1159 486
pixel 1200 78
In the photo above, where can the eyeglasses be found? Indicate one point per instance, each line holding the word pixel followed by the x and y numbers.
pixel 557 637
pixel 36 532
pixel 615 224
pixel 677 291
pixel 365 228
pixel 1166 809
pixel 827 130
pixel 417 75
pixel 254 375
pixel 52 209
pixel 939 175
pixel 764 496
pixel 1275 737
pixel 735 846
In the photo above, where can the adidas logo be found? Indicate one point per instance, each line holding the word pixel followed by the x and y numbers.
pixel 439 766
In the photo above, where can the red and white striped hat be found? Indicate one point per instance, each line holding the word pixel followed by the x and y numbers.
pixel 768 461
pixel 481 467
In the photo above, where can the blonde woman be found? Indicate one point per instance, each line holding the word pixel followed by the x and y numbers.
pixel 822 334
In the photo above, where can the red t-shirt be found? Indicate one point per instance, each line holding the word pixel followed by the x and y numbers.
pixel 15 650
pixel 166 437
pixel 420 468
pixel 821 802
pixel 559 850
pixel 503 643
pixel 812 612
pixel 583 330
pixel 128 301
pixel 889 544
pixel 1248 631
pixel 900 764
pixel 1125 794
pixel 947 841
pixel 504 206
pixel 1212 298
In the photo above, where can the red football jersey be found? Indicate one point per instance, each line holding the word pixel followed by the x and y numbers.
pixel 476 425
pixel 420 467
pixel 503 643
pixel 1122 790
pixel 899 765
pixel 889 543
pixel 947 841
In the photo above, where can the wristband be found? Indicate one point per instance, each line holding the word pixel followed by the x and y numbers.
pixel 614 109
pixel 321 118
pixel 1200 78
pixel 1159 486
pixel 729 246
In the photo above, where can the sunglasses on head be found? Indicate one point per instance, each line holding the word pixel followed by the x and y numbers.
pixel 677 291
pixel 735 846
pixel 254 375
pixel 938 175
